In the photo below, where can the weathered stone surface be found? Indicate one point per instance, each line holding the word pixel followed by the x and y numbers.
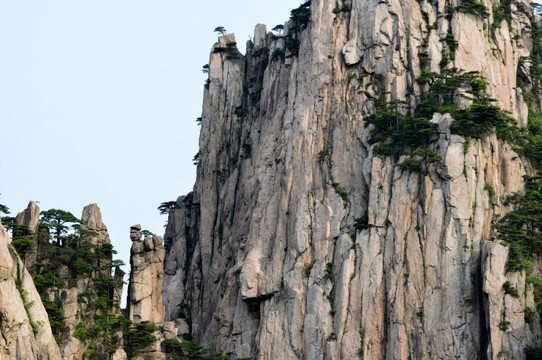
pixel 267 258
pixel 177 244
pixel 153 351
pixel 135 232
pixel 30 218
pixel 169 330
pixel 18 340
pixel 146 278
pixel 77 309
pixel 92 218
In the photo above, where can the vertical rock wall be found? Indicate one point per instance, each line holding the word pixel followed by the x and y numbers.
pixel 78 302
pixel 24 325
pixel 29 218
pixel 146 278
pixel 179 250
pixel 144 301
pixel 299 242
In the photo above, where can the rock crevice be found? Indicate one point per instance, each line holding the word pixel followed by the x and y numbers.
pixel 301 240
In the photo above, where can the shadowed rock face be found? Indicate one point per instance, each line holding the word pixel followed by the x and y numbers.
pixel 269 257
pixel 18 340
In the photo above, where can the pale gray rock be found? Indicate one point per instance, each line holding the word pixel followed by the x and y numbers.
pixel 92 218
pixel 169 330
pixel 260 34
pixel 30 218
pixel 269 258
pixel 18 340
pixel 144 301
pixel 75 309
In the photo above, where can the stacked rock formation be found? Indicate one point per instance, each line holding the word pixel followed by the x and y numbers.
pixel 144 302
pixel 146 278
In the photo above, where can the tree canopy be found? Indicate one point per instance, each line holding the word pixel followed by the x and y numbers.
pixel 220 29
pixel 59 222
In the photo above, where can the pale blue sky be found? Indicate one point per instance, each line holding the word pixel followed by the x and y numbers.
pixel 98 101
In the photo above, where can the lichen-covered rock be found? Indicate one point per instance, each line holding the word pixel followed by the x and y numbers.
pixel 300 242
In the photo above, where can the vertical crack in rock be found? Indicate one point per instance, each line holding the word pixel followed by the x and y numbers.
pixel 302 240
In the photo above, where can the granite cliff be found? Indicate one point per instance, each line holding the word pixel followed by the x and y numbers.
pixel 24 324
pixel 352 171
pixel 62 286
pixel 368 187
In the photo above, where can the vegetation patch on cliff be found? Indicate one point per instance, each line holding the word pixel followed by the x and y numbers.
pixel 473 7
pixel 521 227
pixel 177 350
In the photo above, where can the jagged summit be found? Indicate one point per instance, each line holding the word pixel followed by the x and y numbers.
pixel 368 187
pixel 351 169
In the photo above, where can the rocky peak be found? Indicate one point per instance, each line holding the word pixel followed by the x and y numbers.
pixel 363 192
pixel 24 324
pixel 144 303
pixel 29 217
pixel 146 278
pixel 92 218
pixel 29 220
pixel 342 209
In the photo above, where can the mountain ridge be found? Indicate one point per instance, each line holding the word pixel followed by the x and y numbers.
pixel 367 187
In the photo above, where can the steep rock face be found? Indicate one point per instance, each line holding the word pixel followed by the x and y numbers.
pixel 146 278
pixel 78 302
pixel 179 247
pixel 21 310
pixel 72 270
pixel 505 310
pixel 29 218
pixel 300 242
pixel 144 303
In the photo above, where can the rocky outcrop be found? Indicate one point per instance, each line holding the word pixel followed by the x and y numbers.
pixel 179 247
pixel 144 303
pixel 509 329
pixel 146 278
pixel 301 241
pixel 91 220
pixel 80 303
pixel 24 325
pixel 28 219
pixel 317 228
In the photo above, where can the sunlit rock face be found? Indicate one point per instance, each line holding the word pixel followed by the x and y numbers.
pixel 24 324
pixel 299 242
pixel 146 277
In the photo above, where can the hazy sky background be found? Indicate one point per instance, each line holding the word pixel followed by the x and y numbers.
pixel 98 101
